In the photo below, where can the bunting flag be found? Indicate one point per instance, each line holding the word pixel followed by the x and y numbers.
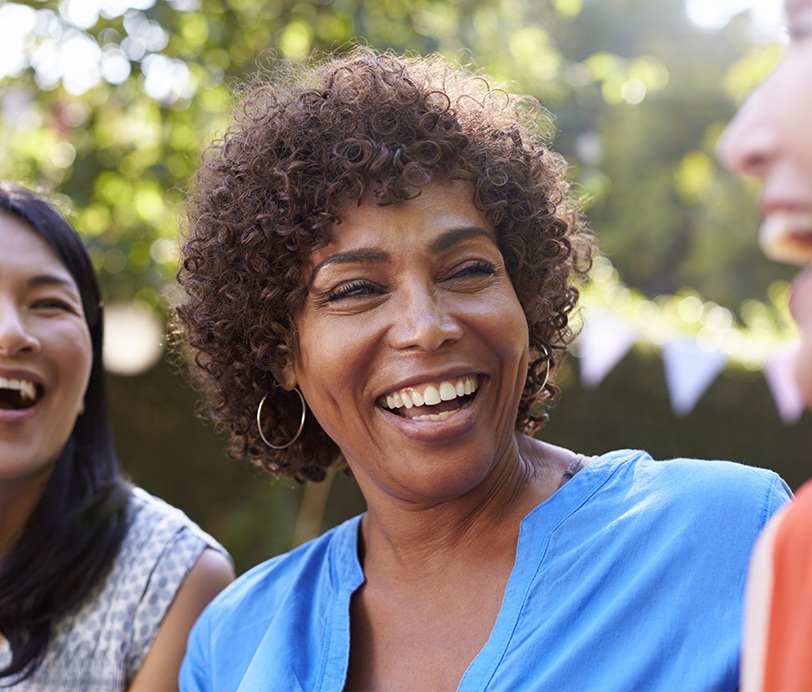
pixel 696 338
pixel 779 371
pixel 601 345
pixel 689 368
pixel 689 371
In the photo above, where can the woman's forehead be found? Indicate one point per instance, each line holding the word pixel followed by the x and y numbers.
pixel 26 249
pixel 440 208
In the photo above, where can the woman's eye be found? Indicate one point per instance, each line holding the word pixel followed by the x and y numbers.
pixel 478 268
pixel 52 304
pixel 353 289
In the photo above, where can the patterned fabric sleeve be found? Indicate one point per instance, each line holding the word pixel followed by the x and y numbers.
pixel 163 548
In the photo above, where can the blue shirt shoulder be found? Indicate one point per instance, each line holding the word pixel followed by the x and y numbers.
pixel 632 560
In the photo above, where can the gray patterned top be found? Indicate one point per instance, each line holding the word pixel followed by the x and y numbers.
pixel 102 644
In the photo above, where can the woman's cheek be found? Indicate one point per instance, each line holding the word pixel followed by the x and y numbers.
pixel 801 308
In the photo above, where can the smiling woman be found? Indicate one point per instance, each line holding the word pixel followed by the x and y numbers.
pixel 328 165
pixel 419 297
pixel 771 139
pixel 381 261
pixel 99 582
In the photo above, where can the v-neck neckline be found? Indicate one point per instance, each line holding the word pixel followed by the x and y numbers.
pixel 588 475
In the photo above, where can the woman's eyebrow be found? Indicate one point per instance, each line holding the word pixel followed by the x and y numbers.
pixel 457 235
pixel 50 280
pixel 363 256
pixel 373 255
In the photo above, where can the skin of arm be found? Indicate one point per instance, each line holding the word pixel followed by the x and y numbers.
pixel 210 574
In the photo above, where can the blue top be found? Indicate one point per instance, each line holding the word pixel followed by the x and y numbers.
pixel 631 576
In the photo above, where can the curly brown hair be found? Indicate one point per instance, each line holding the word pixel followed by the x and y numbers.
pixel 324 133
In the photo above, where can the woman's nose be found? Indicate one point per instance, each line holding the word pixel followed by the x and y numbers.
pixel 15 338
pixel 749 144
pixel 424 322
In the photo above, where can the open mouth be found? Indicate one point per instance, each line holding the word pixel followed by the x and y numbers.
pixel 16 395
pixel 434 401
pixel 787 237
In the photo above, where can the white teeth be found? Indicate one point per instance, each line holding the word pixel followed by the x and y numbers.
pixel 26 388
pixel 444 415
pixel 394 401
pixel 787 237
pixel 447 392
pixel 430 395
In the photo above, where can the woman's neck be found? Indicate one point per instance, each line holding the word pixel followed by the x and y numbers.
pixel 487 518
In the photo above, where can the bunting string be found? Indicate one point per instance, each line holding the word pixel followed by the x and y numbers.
pixel 696 339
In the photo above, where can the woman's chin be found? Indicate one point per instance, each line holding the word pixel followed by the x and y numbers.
pixel 800 301
pixel 803 369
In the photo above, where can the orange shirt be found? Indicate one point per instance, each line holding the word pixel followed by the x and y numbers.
pixel 777 653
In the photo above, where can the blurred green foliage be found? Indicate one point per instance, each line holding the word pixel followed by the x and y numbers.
pixel 108 104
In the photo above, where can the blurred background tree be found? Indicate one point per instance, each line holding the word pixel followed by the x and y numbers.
pixel 108 103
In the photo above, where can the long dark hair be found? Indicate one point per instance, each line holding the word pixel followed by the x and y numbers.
pixel 76 529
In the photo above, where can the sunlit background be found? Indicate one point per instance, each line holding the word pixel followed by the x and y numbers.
pixel 686 347
pixel 715 14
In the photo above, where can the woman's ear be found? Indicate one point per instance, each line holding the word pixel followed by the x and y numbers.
pixel 287 377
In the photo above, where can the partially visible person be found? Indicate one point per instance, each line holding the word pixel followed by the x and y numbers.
pixel 381 262
pixel 99 581
pixel 771 139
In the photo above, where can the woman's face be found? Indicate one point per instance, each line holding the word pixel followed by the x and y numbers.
pixel 771 138
pixel 45 354
pixel 412 347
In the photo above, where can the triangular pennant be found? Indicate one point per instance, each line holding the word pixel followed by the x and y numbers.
pixel 779 371
pixel 604 340
pixel 689 371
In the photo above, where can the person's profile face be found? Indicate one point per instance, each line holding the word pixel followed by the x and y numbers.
pixel 45 354
pixel 771 139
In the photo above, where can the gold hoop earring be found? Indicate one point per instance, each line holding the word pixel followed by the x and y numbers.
pixel 546 357
pixel 298 432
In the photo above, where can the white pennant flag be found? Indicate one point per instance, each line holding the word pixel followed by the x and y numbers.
pixel 603 341
pixel 779 371
pixel 689 371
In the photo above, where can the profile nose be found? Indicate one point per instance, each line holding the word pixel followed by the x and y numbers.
pixel 15 338
pixel 749 144
pixel 424 322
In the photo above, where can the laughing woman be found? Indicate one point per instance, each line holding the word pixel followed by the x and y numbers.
pixel 99 581
pixel 771 139
pixel 381 263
